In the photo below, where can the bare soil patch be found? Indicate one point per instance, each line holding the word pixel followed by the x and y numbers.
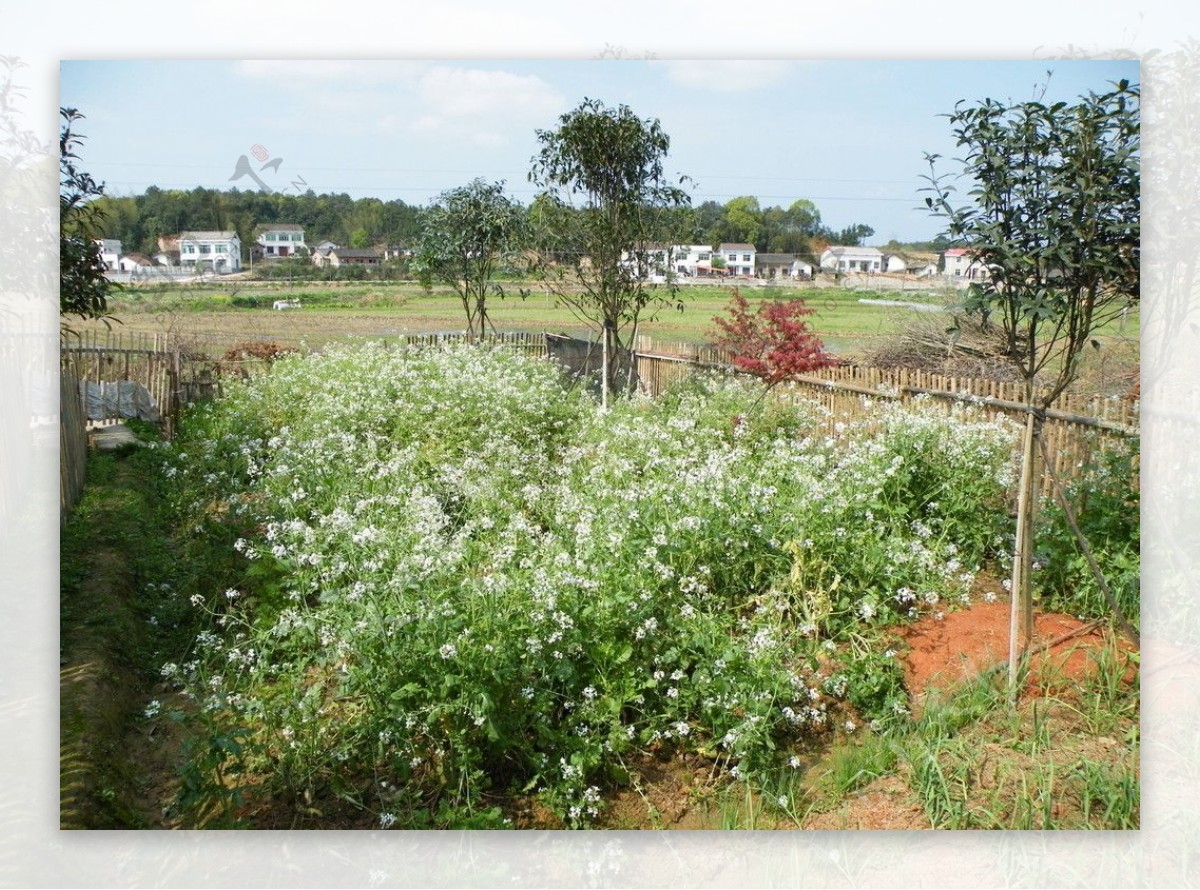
pixel 960 645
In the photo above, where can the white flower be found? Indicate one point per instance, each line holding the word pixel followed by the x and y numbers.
pixel 850 726
pixel 448 650
pixel 387 820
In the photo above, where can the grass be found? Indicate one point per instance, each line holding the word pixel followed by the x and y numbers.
pixel 376 309
pixel 109 646
pixel 1060 760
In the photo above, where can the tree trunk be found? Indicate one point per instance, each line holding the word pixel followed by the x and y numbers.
pixel 1021 612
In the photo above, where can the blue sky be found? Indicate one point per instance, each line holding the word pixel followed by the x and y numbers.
pixel 848 135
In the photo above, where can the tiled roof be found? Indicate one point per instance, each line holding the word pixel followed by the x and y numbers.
pixel 207 236
pixel 860 251
pixel 736 247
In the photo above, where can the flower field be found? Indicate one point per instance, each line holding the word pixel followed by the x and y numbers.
pixel 452 581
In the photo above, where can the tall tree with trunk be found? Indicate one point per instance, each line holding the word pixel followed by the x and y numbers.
pixel 1055 217
pixel 471 233
pixel 604 169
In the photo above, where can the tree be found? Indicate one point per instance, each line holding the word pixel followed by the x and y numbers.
pixel 853 235
pixel 610 162
pixel 1055 219
pixel 774 343
pixel 83 286
pixel 743 220
pixel 470 233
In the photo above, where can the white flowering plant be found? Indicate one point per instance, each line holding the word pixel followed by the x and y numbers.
pixel 451 570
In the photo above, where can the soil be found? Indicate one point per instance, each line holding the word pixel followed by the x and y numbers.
pixel 944 652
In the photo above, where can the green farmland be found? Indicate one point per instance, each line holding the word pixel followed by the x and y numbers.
pixel 241 310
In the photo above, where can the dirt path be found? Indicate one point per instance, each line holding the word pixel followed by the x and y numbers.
pixel 114 773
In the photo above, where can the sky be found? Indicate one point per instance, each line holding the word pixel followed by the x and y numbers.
pixel 849 135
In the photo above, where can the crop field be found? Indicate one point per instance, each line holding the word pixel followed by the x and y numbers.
pixel 438 589
pixel 239 310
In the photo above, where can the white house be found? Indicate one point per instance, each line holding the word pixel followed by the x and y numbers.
pixel 394 250
pixel 280 239
pixel 135 262
pixel 781 265
pixel 687 260
pixel 661 262
pixel 219 251
pixel 893 262
pixel 852 259
pixel 739 258
pixel 110 252
pixel 962 263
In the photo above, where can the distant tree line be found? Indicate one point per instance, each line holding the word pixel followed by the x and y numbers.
pixel 139 221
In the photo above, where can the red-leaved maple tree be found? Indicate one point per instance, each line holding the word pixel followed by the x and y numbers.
pixel 773 343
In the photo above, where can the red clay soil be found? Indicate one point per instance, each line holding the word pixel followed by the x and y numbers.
pixel 942 652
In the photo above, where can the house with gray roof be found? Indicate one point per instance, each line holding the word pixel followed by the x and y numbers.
pixel 781 265
pixel 218 251
pixel 852 259
pixel 280 239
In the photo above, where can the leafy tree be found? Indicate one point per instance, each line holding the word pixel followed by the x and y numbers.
pixel 852 236
pixel 1055 218
pixel 804 217
pixel 470 233
pixel 611 162
pixel 774 343
pixel 83 287
pixel 707 219
pixel 743 221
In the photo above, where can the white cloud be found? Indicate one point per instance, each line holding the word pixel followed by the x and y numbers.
pixel 470 92
pixel 481 105
pixel 425 98
pixel 727 76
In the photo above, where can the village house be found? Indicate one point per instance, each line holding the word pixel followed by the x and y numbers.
pixel 110 253
pixel 396 250
pixel 852 259
pixel 347 256
pixel 135 262
pixel 688 259
pixel 218 251
pixel 739 258
pixel 781 265
pixel 276 240
pixel 962 263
